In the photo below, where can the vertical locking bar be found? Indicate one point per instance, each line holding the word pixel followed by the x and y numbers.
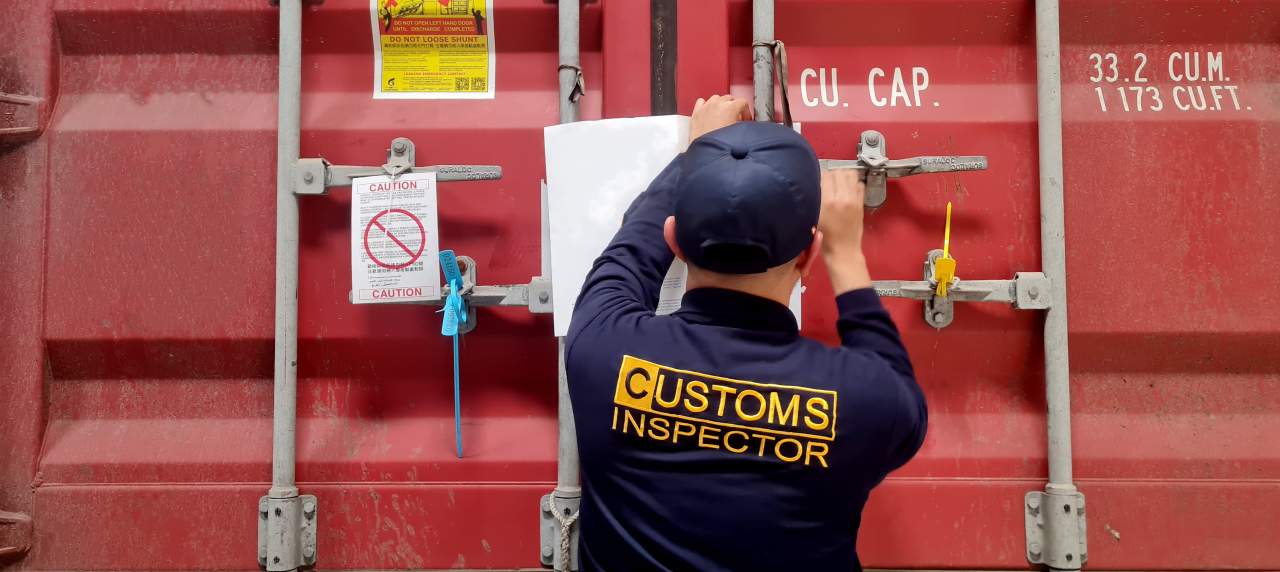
pixel 570 70
pixel 762 58
pixel 1058 519
pixel 282 549
pixel 558 511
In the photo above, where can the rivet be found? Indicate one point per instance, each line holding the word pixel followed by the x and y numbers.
pixel 1034 292
pixel 308 178
pixel 939 317
pixel 399 147
pixel 309 508
pixel 547 550
pixel 308 551
pixel 873 140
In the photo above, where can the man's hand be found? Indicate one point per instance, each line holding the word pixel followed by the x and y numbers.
pixel 719 111
pixel 840 223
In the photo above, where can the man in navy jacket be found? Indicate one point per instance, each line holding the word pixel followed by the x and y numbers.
pixel 717 438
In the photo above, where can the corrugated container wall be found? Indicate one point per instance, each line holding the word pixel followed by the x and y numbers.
pixel 137 189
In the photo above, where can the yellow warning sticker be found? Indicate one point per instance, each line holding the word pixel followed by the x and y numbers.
pixel 432 49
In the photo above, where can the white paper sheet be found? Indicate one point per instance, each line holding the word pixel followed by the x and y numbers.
pixel 395 246
pixel 594 170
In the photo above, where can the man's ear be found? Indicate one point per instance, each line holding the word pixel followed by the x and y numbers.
pixel 810 255
pixel 669 233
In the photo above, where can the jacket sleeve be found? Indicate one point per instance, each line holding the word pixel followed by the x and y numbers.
pixel 625 280
pixel 865 327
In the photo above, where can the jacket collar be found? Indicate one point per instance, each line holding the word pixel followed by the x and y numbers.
pixel 720 307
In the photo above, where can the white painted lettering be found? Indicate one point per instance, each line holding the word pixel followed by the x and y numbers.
pixel 871 87
pixel 835 87
pixel 1173 72
pixel 1232 90
pixel 898 90
pixel 1213 67
pixel 1177 98
pixel 804 87
pixel 919 82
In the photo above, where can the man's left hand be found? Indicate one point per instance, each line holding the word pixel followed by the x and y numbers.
pixel 716 112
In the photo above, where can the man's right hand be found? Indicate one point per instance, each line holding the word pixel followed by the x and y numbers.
pixel 840 223
pixel 718 111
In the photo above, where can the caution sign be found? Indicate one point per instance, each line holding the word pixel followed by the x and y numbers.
pixel 394 245
pixel 432 49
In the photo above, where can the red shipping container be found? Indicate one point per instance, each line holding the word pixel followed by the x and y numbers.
pixel 137 186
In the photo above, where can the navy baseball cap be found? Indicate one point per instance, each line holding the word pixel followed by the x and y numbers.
pixel 748 198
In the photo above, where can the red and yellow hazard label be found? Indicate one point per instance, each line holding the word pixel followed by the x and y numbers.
pixel 432 49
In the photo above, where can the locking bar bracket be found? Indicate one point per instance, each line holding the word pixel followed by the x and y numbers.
pixel 1027 291
pixel 290 525
pixel 314 176
pixel 557 531
pixel 1057 535
pixel 877 167
pixel 15 534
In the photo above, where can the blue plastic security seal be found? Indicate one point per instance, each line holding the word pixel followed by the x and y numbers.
pixel 455 312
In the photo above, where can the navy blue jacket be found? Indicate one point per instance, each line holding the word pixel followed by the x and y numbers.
pixel 717 438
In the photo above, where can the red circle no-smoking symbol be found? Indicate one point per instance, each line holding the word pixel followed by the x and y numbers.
pixel 394 239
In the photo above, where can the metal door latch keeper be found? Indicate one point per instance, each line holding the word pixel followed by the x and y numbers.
pixel 1056 528
pixel 292 529
pixel 878 167
pixel 1027 291
pixel 315 176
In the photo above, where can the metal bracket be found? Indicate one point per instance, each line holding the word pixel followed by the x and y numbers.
pixel 536 295
pixel 877 167
pixel 552 529
pixel 19 116
pixel 1027 291
pixel 287 533
pixel 468 267
pixel 314 176
pixel 1057 534
pixel 15 534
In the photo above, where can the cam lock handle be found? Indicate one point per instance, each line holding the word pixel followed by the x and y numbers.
pixel 876 167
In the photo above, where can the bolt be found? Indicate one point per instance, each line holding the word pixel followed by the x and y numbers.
pixel 1033 550
pixel 939 317
pixel 399 147
pixel 1034 292
pixel 544 297
pixel 873 140
pixel 309 508
pixel 308 551
pixel 547 550
pixel 1033 502
pixel 307 177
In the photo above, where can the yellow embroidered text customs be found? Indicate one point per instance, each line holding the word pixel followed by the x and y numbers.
pixel 790 423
